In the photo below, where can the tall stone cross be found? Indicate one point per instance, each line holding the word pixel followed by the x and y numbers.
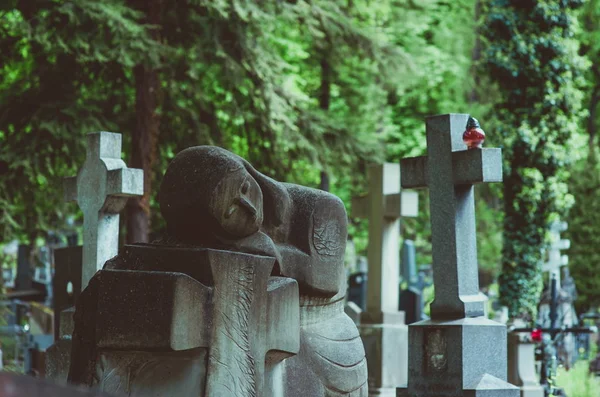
pixel 449 171
pixel 555 259
pixel 384 205
pixel 101 189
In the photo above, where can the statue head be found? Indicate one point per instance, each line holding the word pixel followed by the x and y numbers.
pixel 207 191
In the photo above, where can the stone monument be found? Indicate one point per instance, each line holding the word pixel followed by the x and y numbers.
pixel 382 326
pixel 101 189
pixel 555 258
pixel 521 365
pixel 242 296
pixel 411 298
pixel 458 352
pixel 565 314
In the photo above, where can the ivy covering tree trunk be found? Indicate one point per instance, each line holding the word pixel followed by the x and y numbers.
pixel 532 57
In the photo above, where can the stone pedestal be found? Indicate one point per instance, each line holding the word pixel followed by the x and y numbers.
pixel 58 356
pixel 446 359
pixel 385 337
pixel 185 322
pixel 521 366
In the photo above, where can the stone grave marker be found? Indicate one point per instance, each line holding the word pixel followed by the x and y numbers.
pixel 101 189
pixel 252 304
pixel 357 289
pixel 458 352
pixel 565 315
pixel 555 258
pixel 411 300
pixel 382 327
pixel 24 270
pixel 13 385
pixel 66 282
pixel 521 365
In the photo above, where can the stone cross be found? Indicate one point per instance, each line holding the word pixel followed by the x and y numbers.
pixel 449 171
pixel 409 263
pixel 555 259
pixel 101 189
pixel 384 205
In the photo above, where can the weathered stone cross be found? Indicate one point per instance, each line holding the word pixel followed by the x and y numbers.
pixel 101 189
pixel 449 171
pixel 383 207
pixel 555 259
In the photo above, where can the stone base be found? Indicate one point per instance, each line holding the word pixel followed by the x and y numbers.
pixel 532 391
pixel 458 358
pixel 522 365
pixel 58 356
pixel 386 349
pixel 383 392
pixel 488 386
pixel 58 361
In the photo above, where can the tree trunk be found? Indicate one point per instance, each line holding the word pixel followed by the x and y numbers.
pixel 476 56
pixel 591 124
pixel 324 100
pixel 145 134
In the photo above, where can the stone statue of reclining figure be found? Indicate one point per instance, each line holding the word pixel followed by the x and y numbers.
pixel 213 199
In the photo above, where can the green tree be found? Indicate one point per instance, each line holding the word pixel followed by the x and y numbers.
pixel 532 56
pixel 584 221
pixel 59 79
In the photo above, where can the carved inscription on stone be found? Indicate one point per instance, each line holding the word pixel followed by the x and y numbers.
pixel 436 351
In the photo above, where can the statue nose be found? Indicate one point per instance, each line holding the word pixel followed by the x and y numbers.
pixel 247 205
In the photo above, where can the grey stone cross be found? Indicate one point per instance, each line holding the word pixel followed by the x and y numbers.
pixel 555 259
pixel 101 189
pixel 449 171
pixel 384 205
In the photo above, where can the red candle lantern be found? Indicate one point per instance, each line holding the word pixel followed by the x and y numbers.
pixel 473 136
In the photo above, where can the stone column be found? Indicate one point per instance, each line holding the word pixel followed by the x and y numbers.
pixel 101 189
pixel 382 327
pixel 521 365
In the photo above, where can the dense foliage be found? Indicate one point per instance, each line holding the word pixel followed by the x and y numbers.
pixel 584 222
pixel 309 91
pixel 532 55
pixel 306 90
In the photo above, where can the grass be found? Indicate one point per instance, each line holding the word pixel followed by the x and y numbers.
pixel 577 382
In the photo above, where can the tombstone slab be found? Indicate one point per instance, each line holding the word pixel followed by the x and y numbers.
pixel 458 352
pixel 382 327
pixel 146 322
pixel 101 189
pixel 521 366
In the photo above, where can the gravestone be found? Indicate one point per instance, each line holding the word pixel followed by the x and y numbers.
pixel 67 281
pixel 43 274
pixel 8 277
pixel 521 365
pixel 13 385
pixel 555 258
pixel 411 300
pixel 566 316
pixel 24 270
pixel 251 303
pixel 101 189
pixel 382 327
pixel 458 352
pixel 357 289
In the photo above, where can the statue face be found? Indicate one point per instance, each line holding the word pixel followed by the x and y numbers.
pixel 237 204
